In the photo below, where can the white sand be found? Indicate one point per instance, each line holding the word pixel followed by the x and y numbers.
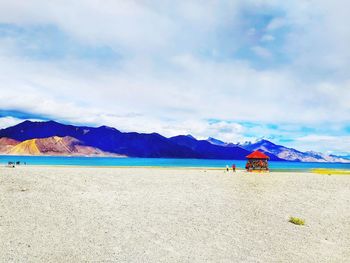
pixel 171 215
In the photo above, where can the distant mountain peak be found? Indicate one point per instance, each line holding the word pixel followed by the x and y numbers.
pixel 107 128
pixel 216 141
pixel 51 121
pixel 259 141
pixel 290 154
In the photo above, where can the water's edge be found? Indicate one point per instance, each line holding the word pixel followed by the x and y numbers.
pixel 161 162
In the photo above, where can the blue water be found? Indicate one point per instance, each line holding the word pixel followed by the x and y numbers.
pixel 160 162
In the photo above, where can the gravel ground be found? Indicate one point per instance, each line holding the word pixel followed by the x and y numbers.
pixel 62 214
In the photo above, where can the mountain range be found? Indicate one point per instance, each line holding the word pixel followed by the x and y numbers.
pixel 291 154
pixel 53 138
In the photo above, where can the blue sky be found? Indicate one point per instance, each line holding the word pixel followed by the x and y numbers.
pixel 233 70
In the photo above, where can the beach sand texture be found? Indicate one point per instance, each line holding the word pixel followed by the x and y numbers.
pixel 62 214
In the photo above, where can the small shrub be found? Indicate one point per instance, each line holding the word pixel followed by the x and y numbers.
pixel 297 221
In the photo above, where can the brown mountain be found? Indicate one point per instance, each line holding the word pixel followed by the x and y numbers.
pixel 7 144
pixel 51 146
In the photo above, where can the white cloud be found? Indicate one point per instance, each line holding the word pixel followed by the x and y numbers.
pixel 334 144
pixel 197 89
pixel 262 52
pixel 177 65
pixel 276 24
pixel 132 27
pixel 267 38
pixel 8 121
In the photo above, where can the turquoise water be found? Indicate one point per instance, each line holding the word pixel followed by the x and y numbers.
pixel 160 162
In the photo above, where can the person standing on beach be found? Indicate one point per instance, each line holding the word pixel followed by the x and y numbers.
pixel 233 168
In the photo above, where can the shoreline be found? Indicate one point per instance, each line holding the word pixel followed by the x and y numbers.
pixel 320 171
pixel 274 166
pixel 155 158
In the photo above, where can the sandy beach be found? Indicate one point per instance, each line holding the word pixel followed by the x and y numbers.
pixel 62 214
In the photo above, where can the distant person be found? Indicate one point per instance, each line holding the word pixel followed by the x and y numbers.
pixel 233 168
pixel 227 168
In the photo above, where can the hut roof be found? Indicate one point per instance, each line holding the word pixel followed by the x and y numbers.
pixel 257 155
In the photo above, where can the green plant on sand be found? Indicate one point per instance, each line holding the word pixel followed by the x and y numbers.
pixel 297 221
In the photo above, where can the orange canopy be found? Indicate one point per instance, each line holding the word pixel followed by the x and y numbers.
pixel 257 155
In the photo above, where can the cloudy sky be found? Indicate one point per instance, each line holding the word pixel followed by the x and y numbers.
pixel 235 70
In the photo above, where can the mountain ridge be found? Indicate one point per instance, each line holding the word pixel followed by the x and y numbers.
pixel 108 141
pixel 291 154
pixel 211 151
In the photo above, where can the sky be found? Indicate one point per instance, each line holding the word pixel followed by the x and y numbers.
pixel 237 70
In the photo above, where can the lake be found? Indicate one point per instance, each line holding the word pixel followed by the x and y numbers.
pixel 160 162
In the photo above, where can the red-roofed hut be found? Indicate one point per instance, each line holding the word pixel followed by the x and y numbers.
pixel 257 162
